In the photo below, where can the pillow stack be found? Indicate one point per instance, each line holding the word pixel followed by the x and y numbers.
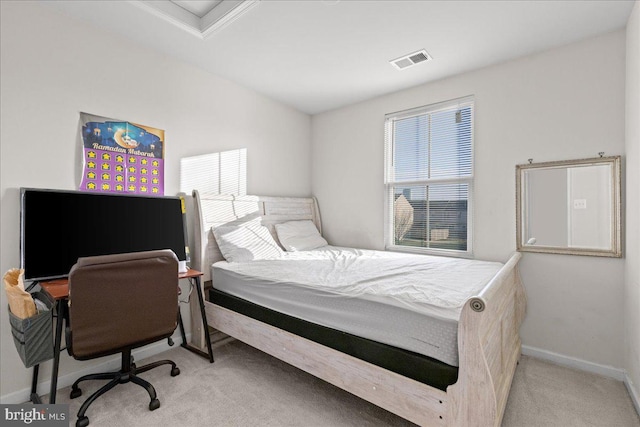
pixel 252 241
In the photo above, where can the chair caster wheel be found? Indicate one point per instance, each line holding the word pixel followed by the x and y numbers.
pixel 76 392
pixel 175 371
pixel 82 422
pixel 154 404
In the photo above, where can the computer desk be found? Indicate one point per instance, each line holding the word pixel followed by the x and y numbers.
pixel 59 291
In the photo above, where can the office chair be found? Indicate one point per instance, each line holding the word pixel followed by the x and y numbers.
pixel 118 303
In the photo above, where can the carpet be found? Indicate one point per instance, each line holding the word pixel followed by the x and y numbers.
pixel 245 387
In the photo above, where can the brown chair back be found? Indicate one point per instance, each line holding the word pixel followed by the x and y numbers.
pixel 121 301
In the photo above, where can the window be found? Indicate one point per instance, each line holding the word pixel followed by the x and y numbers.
pixel 429 178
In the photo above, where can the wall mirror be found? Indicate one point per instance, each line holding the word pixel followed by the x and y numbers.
pixel 569 207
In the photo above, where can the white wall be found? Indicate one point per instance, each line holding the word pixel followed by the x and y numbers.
pixel 632 279
pixel 54 67
pixel 561 104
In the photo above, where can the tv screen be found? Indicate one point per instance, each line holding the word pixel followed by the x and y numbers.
pixel 57 227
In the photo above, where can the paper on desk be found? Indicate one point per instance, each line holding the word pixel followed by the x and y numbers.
pixel 20 301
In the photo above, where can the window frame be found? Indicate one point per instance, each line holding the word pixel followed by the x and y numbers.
pixel 390 183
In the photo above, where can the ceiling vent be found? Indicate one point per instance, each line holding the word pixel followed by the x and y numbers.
pixel 411 59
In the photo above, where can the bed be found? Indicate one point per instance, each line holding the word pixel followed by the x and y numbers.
pixel 461 384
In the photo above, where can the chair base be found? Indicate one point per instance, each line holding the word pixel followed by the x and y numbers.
pixel 128 373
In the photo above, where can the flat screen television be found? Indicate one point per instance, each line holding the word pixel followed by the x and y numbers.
pixel 57 227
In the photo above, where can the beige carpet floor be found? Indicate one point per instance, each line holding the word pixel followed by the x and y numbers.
pixel 245 387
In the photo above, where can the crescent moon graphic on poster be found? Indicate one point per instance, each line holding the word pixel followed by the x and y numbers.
pixel 124 140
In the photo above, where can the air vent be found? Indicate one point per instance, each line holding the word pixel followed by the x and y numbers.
pixel 410 60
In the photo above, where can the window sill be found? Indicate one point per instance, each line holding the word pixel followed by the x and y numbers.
pixel 427 251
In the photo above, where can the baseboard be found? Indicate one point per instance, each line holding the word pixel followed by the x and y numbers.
pixel 633 392
pixel 111 364
pixel 572 362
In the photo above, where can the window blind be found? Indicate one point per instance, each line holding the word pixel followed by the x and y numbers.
pixel 429 177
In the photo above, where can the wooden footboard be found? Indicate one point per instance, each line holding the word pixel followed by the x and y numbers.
pixel 489 347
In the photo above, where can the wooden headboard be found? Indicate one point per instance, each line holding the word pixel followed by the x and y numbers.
pixel 212 210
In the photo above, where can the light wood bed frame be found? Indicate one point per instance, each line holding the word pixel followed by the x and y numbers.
pixel 488 330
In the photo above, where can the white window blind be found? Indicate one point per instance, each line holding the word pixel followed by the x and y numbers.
pixel 429 178
pixel 216 173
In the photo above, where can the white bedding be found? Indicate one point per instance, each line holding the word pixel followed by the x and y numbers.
pixel 409 301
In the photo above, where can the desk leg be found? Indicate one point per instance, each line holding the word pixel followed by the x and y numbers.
pixel 182 334
pixel 34 386
pixel 61 312
pixel 208 355
pixel 203 314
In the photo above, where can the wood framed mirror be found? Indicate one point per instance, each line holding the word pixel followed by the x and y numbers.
pixel 570 207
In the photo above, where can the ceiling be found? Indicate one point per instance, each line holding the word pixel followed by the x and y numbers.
pixel 198 7
pixel 317 55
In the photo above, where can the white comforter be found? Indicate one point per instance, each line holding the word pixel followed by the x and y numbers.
pixel 436 286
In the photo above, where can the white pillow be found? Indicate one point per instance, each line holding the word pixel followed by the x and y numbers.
pixel 246 242
pixel 299 236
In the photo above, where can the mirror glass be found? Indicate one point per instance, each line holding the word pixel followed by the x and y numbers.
pixel 570 207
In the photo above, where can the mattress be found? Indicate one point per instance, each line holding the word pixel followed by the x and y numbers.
pixel 408 301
